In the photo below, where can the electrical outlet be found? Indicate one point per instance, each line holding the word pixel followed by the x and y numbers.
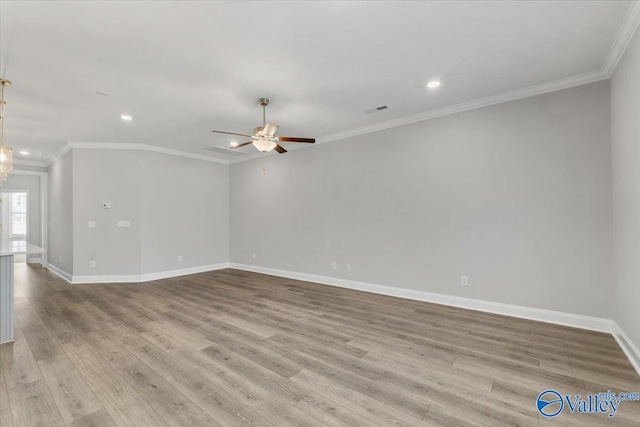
pixel 91 224
pixel 254 255
pixel 92 264
pixel 348 267
pixel 464 280
pixel 334 265
pixel 60 258
pixel 179 258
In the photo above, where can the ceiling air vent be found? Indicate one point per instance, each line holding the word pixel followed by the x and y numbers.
pixel 375 110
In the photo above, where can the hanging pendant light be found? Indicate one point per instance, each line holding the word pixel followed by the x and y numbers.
pixel 6 153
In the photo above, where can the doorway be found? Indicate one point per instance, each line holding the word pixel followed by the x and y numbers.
pixel 14 218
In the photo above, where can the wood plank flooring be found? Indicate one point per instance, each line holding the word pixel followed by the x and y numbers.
pixel 232 348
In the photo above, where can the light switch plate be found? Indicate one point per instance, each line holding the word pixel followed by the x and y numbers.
pixel 124 224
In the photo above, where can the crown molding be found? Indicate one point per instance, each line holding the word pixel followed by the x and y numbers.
pixel 623 38
pixel 134 146
pixel 61 152
pixel 500 98
pixel 257 155
pixel 29 163
pixel 513 95
pixel 29 173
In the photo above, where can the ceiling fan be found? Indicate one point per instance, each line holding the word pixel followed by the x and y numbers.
pixel 263 137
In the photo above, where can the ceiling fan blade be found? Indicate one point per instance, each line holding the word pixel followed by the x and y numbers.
pixel 232 133
pixel 279 149
pixel 270 129
pixel 241 145
pixel 295 139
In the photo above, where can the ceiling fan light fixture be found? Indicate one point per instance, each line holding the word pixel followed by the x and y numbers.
pixel 263 137
pixel 264 145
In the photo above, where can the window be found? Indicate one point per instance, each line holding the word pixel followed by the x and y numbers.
pixel 19 214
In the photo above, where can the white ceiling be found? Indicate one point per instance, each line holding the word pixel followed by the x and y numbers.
pixel 184 68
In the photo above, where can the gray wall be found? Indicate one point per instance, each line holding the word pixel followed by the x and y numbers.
pixel 625 139
pixel 60 187
pixel 185 211
pixel 175 205
pixel 517 196
pixel 112 176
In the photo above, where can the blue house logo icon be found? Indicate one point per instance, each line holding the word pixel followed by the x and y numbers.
pixel 550 403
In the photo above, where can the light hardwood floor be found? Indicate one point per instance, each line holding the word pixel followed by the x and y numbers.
pixel 235 348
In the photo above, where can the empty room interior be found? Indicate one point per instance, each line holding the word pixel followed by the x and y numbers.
pixel 319 213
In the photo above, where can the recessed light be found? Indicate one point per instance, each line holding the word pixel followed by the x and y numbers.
pixel 433 84
pixel 126 117
pixel 24 153
pixel 233 144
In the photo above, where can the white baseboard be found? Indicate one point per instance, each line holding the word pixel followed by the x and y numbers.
pixel 120 278
pixel 183 272
pixel 625 343
pixel 59 272
pixel 136 278
pixel 542 315
pixel 149 276
pixel 538 314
